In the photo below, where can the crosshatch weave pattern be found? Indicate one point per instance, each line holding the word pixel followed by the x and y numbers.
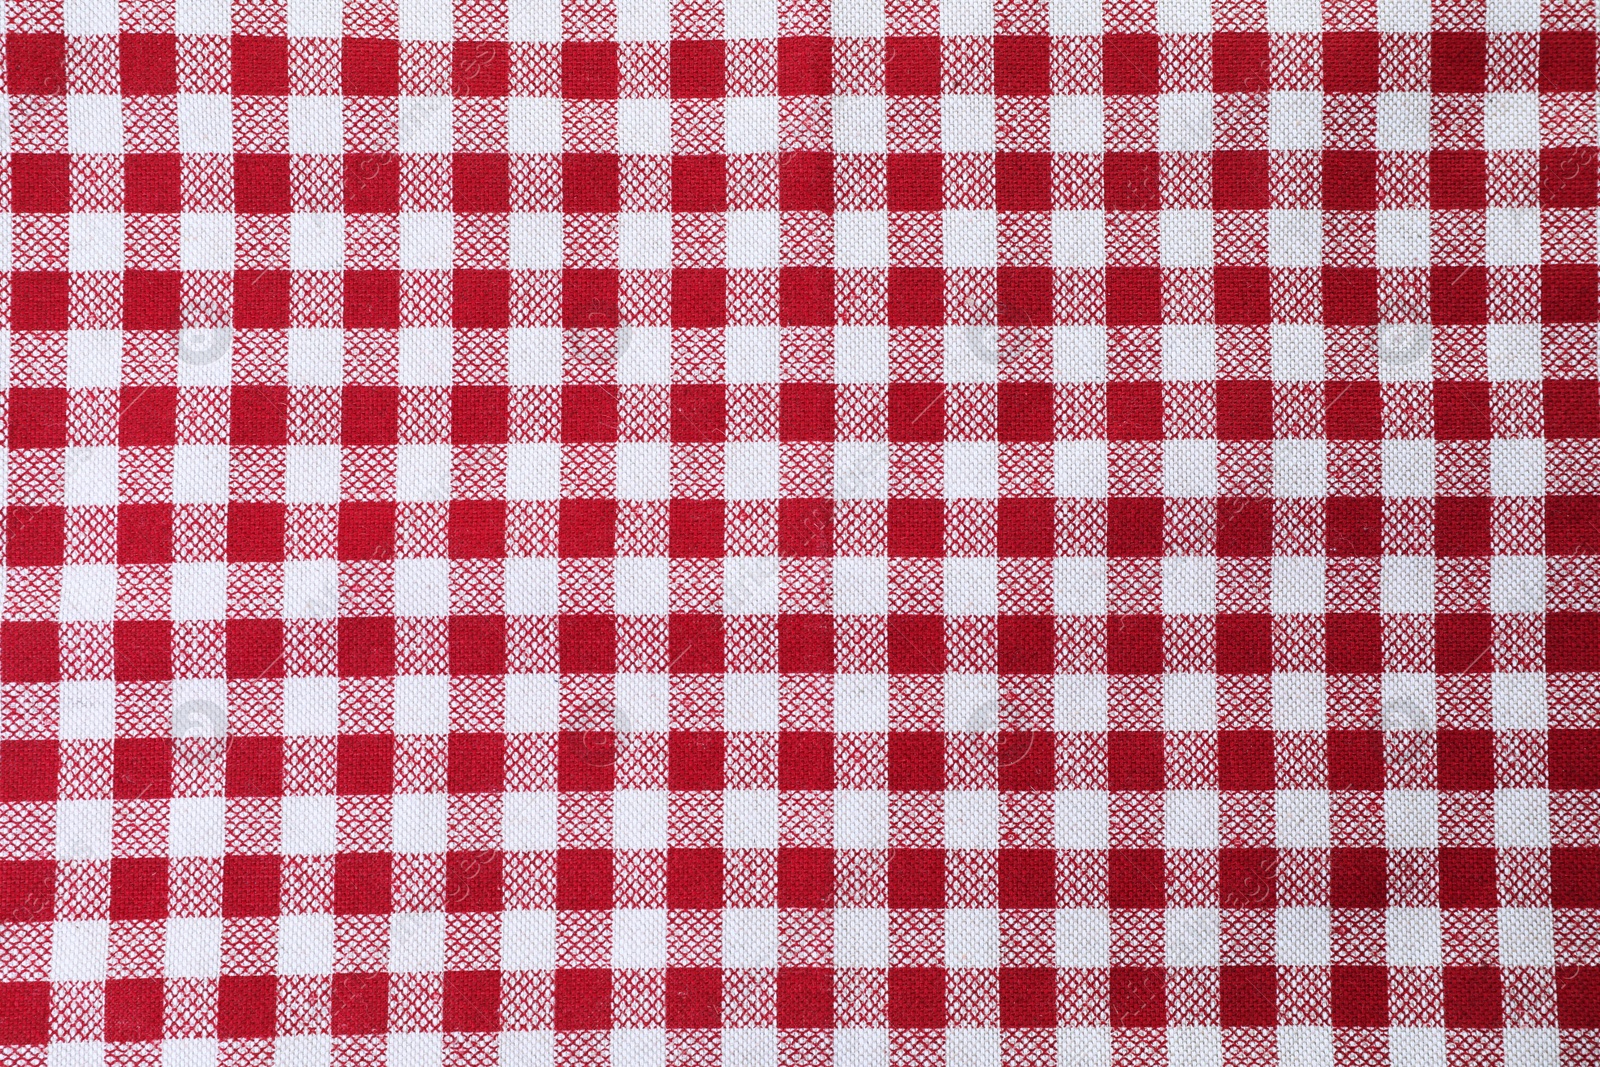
pixel 616 533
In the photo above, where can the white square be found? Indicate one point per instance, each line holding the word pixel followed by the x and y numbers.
pixel 1512 16
pixel 639 819
pixel 1082 819
pixel 750 937
pixel 316 125
pixel 1513 348
pixel 422 587
pixel 859 125
pixel 200 474
pixel 1527 937
pixel 750 585
pixel 1080 585
pixel 1077 123
pixel 644 126
pixel 1191 818
pixel 860 818
pixel 644 241
pixel 861 239
pixel 750 702
pixel 309 825
pixel 752 238
pixel 414 1050
pixel 861 470
pixel 642 20
pixel 205 123
pixel 416 941
pixel 534 358
pixel 88 708
pixel 750 470
pixel 861 937
pixel 1188 352
pixel 860 354
pixel 199 591
pixel 1411 818
pixel 1297 353
pixel 528 940
pixel 1409 701
pixel 427 240
pixel 750 124
pixel 1294 238
pixel 1189 468
pixel 641 702
pixel 1511 122
pixel 1188 585
pixel 639 938
pixel 532 703
pixel 1511 239
pixel 971 469
pixel 533 20
pixel 532 586
pixel 1403 121
pixel 422 472
pixel 91 475
pixel 1080 703
pixel 966 18
pixel 425 20
pixel 1303 818
pixel 750 818
pixel 195 826
pixel 1402 238
pixel 751 354
pixel 94 357
pixel 83 829
pixel 205 241
pixel 1407 468
pixel 88 592
pixel 969 238
pixel 1183 16
pixel 1403 16
pixel 1186 238
pixel 966 123
pixel 419 823
pixel 305 944
pixel 421 704
pixel 94 242
pixel 193 948
pixel 644 355
pixel 1303 937
pixel 860 585
pixel 1078 353
pixel 1189 701
pixel 971 703
pixel 313 18
pixel 1197 1046
pixel 1080 469
pixel 1412 936
pixel 1078 238
pixel 972 819
pixel 310 707
pixel 1192 937
pixel 1294 120
pixel 1532 1047
pixel 425 125
pixel 1185 120
pixel 1083 937
pixel 644 470
pixel 1516 585
pixel 752 20
pixel 1084 1046
pixel 1516 467
pixel 533 125
pixel 303 1050
pixel 78 951
pixel 1306 1046
pixel 94 124
pixel 316 357
pixel 311 474
pixel 1297 585
pixel 1405 352
pixel 970 586
pixel 641 585
pixel 1299 701
pixel 425 356
pixel 1299 468
pixel 861 703
pixel 193 17
pixel 971 937
pixel 1522 818
pixel 310 588
pixel 89 18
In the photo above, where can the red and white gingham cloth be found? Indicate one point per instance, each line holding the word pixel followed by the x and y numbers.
pixel 616 533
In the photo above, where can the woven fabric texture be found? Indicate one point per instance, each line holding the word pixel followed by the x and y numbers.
pixel 920 533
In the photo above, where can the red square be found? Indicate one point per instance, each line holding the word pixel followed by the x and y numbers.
pixel 133 1009
pixel 1578 998
pixel 698 69
pixel 700 183
pixel 1571 409
pixel 916 296
pixel 1466 759
pixel 1458 180
pixel 1567 292
pixel 805 527
pixel 1138 996
pixel 805 66
pixel 1134 644
pixel 584 879
pixel 29 770
pixel 1027 997
pixel 589 70
pixel 259 415
pixel 1354 526
pixel 805 998
pixel 700 297
pixel 1133 181
pixel 149 64
pixel 261 183
pixel 1574 759
pixel 588 528
pixel 39 300
pixel 588 413
pixel 477 763
pixel 1244 526
pixel 28 890
pixel 38 418
pixel 1244 644
pixel 366 647
pixel 479 414
pixel 1575 877
pixel 916 998
pixel 695 644
pixel 1239 181
pixel 694 878
pixel 694 998
pixel 30 652
pixel 1461 411
pixel 151 299
pixel 911 66
pixel 261 300
pixel 586 760
pixel 365 764
pixel 582 996
pixel 25 1006
pixel 916 878
pixel 589 182
pixel 805 643
pixel 916 412
pixel 696 528
pixel 1025 411
pixel 252 886
pixel 370 66
pixel 805 759
pixel 916 644
pixel 1133 296
pixel 477 644
pixel 1458 62
pixel 260 66
pixel 1027 761
pixel 1133 411
pixel 1353 411
pixel 1244 411
pixel 1023 296
pixel 1350 62
pixel 138 889
pixel 477 529
pixel 1463 643
pixel 360 1004
pixel 247 1006
pixel 1467 877
pixel 1354 643
pixel 1027 878
pixel 805 411
pixel 1132 64
pixel 35 536
pixel 255 648
pixel 474 882
pixel 1240 63
pixel 481 299
pixel 255 767
pixel 1566 177
pixel 1136 878
pixel 1135 761
pixel 1134 526
pixel 36 63
pixel 1022 65
pixel 1359 996
pixel 1243 296
pixel 255 533
pixel 805 878
pixel 366 529
pixel 1572 641
pixel 1349 296
pixel 916 761
pixel 1025 528
pixel 915 181
pixel 1472 998
pixel 372 299
pixel 1248 996
pixel 141 767
pixel 151 183
pixel 694 760
pixel 915 528
pixel 1247 878
pixel 1022 181
pixel 480 68
pixel 143 651
pixel 588 643
pixel 481 182
pixel 805 181
pixel 588 301
pixel 1245 760
pixel 148 416
pixel 1358 878
pixel 805 296
pixel 1026 644
pixel 1566 61
pixel 1460 295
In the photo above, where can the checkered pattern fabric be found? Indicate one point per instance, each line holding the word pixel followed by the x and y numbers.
pixel 628 533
